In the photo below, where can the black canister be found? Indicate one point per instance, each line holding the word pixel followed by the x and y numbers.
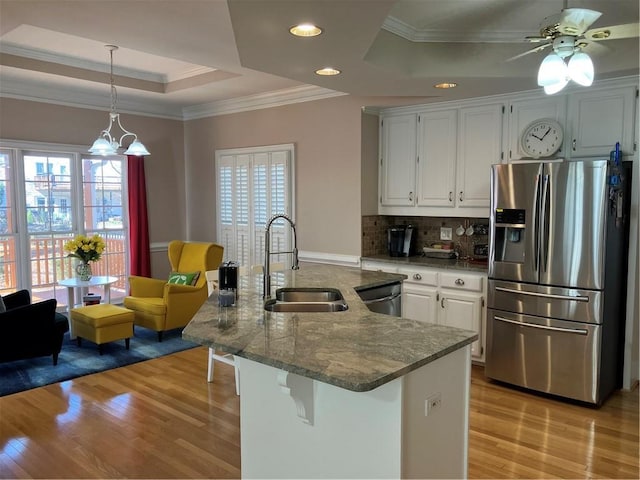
pixel 228 276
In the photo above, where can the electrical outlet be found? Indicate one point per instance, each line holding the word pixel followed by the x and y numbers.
pixel 432 403
pixel 446 233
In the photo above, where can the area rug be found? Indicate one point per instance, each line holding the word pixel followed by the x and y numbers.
pixel 75 361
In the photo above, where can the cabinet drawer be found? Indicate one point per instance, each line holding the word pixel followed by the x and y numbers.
pixel 461 281
pixel 419 276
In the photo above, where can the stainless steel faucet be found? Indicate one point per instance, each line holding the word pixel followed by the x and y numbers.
pixel 267 253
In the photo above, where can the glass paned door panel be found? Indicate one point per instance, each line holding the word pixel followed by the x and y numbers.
pixel 102 194
pixel 49 222
pixel 104 212
pixel 8 246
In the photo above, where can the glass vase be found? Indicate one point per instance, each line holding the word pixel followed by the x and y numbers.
pixel 83 270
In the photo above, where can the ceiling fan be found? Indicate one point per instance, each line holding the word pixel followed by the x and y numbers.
pixel 568 35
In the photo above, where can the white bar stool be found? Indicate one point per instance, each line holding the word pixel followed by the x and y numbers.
pixel 212 284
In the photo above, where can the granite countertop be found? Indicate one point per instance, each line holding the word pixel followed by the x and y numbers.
pixel 419 260
pixel 356 349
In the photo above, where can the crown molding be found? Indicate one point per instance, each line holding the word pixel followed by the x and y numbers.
pixel 304 93
pixel 192 72
pixel 76 98
pixel 538 93
pixel 102 67
pixel 370 110
pixel 408 32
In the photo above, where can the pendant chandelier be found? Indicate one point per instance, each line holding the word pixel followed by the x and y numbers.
pixel 107 142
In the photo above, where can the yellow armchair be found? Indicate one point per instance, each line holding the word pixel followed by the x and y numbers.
pixel 162 306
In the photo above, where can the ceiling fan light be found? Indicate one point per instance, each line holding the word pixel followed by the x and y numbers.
pixel 102 146
pixel 581 69
pixel 555 87
pixel 552 70
pixel 136 148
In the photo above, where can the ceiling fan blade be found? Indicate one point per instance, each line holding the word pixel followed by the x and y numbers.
pixel 592 48
pixel 575 21
pixel 536 39
pixel 628 30
pixel 539 48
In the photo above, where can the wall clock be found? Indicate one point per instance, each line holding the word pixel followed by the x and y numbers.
pixel 541 138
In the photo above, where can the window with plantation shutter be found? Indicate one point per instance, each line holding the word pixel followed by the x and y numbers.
pixel 254 184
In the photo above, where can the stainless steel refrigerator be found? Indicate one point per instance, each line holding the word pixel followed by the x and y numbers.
pixel 557 277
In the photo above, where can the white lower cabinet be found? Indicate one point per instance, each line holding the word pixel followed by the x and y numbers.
pixel 420 301
pixel 462 310
pixel 442 296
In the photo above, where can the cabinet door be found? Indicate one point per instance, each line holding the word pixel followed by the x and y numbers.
pixel 398 160
pixel 437 158
pixel 419 303
pixel 523 112
pixel 479 147
pixel 599 119
pixel 462 310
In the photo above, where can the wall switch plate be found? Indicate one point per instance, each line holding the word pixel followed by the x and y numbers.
pixel 446 233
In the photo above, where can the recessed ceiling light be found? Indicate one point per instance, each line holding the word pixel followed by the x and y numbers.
pixel 305 30
pixel 446 85
pixel 328 71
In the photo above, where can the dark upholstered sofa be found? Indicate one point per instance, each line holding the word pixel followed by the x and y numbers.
pixel 30 330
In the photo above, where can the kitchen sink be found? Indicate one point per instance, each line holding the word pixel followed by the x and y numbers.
pixel 306 300
pixel 308 295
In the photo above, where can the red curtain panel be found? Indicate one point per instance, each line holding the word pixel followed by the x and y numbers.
pixel 139 252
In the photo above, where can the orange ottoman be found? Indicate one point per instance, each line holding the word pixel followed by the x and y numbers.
pixel 102 324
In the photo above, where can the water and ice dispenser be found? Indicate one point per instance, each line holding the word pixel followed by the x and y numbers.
pixel 509 235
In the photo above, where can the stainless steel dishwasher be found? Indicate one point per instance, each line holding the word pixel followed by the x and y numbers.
pixel 385 299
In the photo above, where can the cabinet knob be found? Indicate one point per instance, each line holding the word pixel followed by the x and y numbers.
pixel 417 276
pixel 459 282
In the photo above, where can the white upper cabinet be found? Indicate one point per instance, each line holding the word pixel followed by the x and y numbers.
pixel 455 149
pixel 479 147
pixel 397 160
pixel 437 135
pixel 599 119
pixel 436 159
pixel 522 112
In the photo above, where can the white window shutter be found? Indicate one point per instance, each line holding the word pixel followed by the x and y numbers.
pixel 253 186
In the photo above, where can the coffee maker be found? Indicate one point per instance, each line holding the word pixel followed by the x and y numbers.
pixel 399 240
pixel 228 276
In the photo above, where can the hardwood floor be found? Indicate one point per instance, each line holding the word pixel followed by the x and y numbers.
pixel 161 419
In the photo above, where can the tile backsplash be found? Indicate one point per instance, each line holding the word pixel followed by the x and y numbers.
pixel 374 232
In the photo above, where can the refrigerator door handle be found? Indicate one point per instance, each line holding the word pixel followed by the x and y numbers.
pixel 576 298
pixel 535 254
pixel 579 331
pixel 544 221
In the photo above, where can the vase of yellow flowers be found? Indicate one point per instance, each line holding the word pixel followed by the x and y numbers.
pixel 86 249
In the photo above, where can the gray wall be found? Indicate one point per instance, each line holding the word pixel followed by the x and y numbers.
pixel 327 138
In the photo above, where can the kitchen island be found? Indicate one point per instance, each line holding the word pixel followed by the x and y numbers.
pixel 342 394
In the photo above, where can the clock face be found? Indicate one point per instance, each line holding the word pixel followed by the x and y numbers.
pixel 542 138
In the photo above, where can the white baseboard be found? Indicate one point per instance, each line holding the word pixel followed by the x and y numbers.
pixel 329 258
pixel 303 256
pixel 159 247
